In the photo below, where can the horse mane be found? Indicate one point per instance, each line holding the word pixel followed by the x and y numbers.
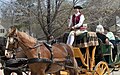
pixel 27 39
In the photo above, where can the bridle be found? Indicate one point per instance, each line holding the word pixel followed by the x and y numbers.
pixel 12 41
pixel 15 41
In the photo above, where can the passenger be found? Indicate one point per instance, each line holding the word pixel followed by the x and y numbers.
pixel 76 24
pixel 117 38
pixel 104 39
pixel 110 35
pixel 101 35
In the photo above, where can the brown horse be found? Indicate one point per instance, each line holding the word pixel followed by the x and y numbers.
pixel 13 54
pixel 59 55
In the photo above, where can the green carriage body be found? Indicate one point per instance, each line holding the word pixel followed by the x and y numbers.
pixel 111 56
pixel 106 53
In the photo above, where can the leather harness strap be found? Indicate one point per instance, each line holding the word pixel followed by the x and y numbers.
pixel 42 60
pixel 51 58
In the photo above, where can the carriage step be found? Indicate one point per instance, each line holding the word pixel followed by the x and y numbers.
pixel 106 54
pixel 63 72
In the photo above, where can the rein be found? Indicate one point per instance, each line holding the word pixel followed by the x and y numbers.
pixel 25 62
pixel 35 46
pixel 50 61
pixel 34 60
pixel 38 59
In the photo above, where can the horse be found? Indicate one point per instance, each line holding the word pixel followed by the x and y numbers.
pixel 11 56
pixel 50 59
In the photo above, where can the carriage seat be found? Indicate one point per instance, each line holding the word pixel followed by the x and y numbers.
pixel 83 40
pixel 86 39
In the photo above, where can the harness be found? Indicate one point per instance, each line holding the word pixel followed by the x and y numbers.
pixel 42 60
pixel 37 47
pixel 34 60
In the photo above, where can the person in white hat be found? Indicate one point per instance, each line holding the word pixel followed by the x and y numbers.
pixel 101 35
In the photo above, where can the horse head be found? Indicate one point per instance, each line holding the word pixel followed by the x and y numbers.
pixel 16 38
pixel 11 43
pixel 12 31
pixel 11 37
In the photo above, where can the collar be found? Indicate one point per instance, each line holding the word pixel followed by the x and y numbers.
pixel 77 14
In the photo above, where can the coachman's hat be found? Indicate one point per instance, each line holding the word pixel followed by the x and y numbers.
pixel 78 7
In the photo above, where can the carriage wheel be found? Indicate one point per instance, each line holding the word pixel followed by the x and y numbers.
pixel 101 69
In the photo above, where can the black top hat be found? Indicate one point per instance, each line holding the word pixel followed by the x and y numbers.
pixel 78 7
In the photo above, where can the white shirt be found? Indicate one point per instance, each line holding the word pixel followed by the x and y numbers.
pixel 82 18
pixel 110 36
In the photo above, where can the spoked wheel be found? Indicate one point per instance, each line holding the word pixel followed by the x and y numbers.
pixel 102 69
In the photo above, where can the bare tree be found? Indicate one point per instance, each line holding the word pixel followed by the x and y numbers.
pixel 101 11
pixel 49 17
pixel 52 15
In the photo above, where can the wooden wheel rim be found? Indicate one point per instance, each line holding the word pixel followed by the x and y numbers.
pixel 102 69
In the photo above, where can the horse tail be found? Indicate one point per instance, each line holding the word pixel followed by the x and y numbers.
pixel 74 62
pixel 69 49
pixel 70 59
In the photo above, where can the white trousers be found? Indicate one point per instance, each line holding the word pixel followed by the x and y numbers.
pixel 72 34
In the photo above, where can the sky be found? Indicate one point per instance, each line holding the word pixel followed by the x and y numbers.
pixel 4 2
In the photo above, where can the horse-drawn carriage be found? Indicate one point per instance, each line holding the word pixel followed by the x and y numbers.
pixel 93 57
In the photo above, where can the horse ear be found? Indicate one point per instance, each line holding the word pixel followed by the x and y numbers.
pixel 12 30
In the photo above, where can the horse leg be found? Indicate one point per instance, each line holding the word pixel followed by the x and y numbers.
pixel 57 73
pixel 32 73
pixel 7 72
